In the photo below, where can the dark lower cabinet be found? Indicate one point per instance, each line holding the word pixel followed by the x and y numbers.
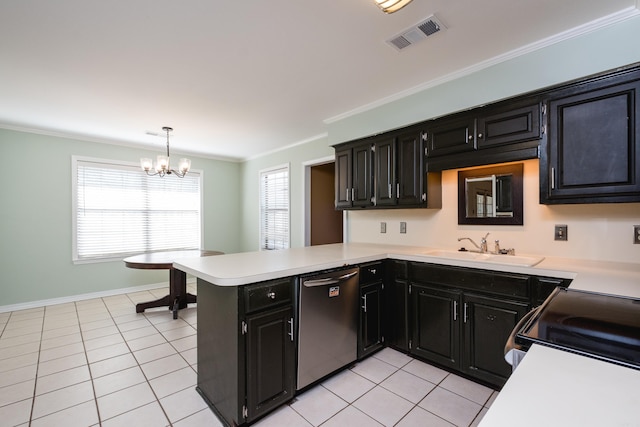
pixel 436 328
pixel 462 317
pixel 488 322
pixel 397 308
pixel 270 360
pixel 372 314
pixel 246 348
pixel 371 338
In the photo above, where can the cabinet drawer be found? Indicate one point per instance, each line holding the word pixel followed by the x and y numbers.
pixel 267 294
pixel 507 284
pixel 370 273
pixel 544 286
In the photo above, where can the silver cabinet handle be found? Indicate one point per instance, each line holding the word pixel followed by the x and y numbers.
pixel 290 321
pixel 465 312
pixel 470 138
pixel 271 295
pixel 480 135
pixel 398 190
pixel 455 311
pixel 553 178
pixel 347 191
pixel 390 190
pixel 364 307
pixel 353 194
pixel 373 271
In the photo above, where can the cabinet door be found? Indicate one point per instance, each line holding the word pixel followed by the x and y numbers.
pixel 488 322
pixel 370 337
pixel 451 136
pixel 385 171
pixel 499 127
pixel 396 297
pixel 270 360
pixel 410 170
pixel 593 146
pixel 362 176
pixel 343 178
pixel 436 325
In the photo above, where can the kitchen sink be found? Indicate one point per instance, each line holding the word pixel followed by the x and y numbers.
pixel 521 261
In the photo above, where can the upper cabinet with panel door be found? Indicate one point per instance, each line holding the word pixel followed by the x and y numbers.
pixel 385 171
pixel 502 132
pixel 353 175
pixel 592 150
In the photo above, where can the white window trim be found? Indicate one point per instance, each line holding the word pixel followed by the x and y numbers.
pixel 260 173
pixel 74 205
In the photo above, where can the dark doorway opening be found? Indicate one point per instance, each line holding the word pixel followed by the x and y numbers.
pixel 325 221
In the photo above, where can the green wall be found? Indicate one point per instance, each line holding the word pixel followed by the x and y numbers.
pixel 36 218
pixel 601 50
pixel 296 157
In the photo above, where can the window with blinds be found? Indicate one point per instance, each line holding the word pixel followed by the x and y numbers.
pixel 274 208
pixel 119 210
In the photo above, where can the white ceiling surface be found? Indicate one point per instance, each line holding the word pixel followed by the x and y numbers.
pixel 239 78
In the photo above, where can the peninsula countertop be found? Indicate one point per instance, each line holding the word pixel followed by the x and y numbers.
pixel 549 387
pixel 251 267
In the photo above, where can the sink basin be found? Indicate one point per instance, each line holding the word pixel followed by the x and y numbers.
pixel 521 261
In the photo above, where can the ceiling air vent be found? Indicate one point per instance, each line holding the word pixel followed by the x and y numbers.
pixel 418 32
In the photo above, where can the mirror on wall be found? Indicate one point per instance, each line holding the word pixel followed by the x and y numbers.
pixel 490 196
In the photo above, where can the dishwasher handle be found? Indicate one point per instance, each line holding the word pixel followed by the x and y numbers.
pixel 329 280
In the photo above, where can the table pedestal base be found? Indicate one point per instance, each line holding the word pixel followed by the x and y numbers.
pixel 178 297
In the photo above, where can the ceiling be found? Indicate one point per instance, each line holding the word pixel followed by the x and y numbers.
pixel 240 78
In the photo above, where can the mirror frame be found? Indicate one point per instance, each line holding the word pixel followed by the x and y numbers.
pixel 516 193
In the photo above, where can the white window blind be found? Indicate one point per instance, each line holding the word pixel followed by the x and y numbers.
pixel 274 208
pixel 119 210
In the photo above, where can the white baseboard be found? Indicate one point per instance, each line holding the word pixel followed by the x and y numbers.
pixel 81 297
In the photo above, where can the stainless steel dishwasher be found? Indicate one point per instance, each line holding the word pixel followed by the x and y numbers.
pixel 327 323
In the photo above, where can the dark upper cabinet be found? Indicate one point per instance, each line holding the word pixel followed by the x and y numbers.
pixel 451 135
pixel 411 174
pixel 385 171
pixel 343 177
pixel 353 176
pixel 508 124
pixel 506 131
pixel 592 153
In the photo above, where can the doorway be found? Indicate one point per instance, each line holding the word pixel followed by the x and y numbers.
pixel 324 222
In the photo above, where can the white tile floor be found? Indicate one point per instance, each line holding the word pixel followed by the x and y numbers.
pixel 98 363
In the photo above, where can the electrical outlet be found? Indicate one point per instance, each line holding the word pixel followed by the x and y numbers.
pixel 403 227
pixel 383 227
pixel 636 234
pixel 561 232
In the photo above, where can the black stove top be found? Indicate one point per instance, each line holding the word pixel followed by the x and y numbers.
pixel 598 325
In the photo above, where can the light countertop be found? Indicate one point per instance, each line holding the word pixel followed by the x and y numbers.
pixel 556 388
pixel 251 267
pixel 549 387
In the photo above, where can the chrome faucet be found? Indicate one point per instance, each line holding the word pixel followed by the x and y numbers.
pixel 483 243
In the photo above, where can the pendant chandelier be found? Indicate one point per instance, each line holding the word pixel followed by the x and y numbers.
pixel 163 165
pixel 390 6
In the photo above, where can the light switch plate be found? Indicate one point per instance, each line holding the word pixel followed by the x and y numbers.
pixel 561 232
pixel 383 227
pixel 636 234
pixel 403 227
